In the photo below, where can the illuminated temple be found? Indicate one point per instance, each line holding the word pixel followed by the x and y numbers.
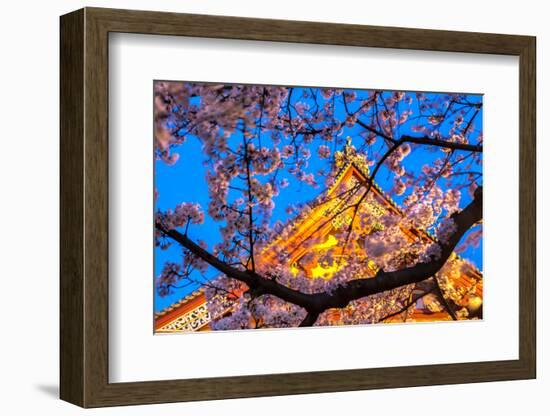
pixel 191 312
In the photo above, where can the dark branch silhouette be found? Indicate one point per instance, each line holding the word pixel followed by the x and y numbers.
pixel 359 288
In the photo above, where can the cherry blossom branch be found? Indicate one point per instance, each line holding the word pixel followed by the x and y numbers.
pixel 250 198
pixel 258 284
pixel 420 140
pixel 355 289
pixel 406 306
pixel 384 281
pixel 446 304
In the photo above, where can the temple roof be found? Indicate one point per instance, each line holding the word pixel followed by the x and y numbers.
pixel 179 303
pixel 344 160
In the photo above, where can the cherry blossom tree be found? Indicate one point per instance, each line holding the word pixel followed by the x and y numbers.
pixel 257 142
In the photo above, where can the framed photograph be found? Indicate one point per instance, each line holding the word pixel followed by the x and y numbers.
pixel 256 207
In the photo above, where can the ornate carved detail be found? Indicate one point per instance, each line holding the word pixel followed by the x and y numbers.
pixel 350 155
pixel 189 322
pixel 375 209
pixel 341 220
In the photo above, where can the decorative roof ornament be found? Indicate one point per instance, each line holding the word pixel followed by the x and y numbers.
pixel 350 155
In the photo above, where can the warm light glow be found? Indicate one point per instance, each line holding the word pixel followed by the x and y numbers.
pixel 326 272
pixel 475 302
pixel 331 241
pixel 294 270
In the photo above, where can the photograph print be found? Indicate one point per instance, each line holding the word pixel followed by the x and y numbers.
pixel 298 206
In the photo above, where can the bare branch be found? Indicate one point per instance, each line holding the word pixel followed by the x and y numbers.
pixel 478 148
pixel 310 319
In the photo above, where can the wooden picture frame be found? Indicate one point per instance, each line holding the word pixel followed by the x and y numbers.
pixel 84 207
